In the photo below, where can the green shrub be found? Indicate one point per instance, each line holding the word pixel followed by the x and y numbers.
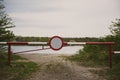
pixel 18 70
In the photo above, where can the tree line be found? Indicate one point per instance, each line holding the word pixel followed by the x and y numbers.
pixel 46 39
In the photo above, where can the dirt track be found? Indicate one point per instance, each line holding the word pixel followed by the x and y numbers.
pixel 55 67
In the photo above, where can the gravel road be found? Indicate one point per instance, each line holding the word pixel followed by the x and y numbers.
pixel 56 67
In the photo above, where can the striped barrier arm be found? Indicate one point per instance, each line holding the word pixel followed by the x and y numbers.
pixel 24 43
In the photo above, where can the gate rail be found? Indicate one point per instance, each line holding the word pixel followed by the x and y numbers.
pixel 56 40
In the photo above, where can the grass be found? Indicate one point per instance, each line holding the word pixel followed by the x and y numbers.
pixel 18 70
pixel 99 59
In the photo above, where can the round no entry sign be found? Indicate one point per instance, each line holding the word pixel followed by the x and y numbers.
pixel 56 43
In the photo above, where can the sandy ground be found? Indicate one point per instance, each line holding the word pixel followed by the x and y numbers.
pixel 56 67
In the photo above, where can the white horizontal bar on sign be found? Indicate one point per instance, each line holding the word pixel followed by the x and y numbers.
pixel 116 52
pixel 3 42
pixel 76 43
pixel 37 43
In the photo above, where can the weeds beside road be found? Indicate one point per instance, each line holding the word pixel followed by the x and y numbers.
pixel 18 70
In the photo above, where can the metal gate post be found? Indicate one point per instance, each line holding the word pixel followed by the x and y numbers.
pixel 9 54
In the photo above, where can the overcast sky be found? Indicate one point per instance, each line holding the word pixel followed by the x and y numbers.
pixel 65 18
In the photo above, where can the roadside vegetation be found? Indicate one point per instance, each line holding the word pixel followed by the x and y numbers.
pixel 19 68
pixel 98 55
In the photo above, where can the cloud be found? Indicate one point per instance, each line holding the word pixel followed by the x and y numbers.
pixel 63 17
pixel 32 6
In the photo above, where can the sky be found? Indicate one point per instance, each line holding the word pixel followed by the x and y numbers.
pixel 65 18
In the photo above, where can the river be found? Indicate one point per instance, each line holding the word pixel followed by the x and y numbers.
pixel 64 50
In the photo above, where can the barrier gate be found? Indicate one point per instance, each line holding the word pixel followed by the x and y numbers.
pixel 56 43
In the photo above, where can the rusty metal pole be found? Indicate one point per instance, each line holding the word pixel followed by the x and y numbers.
pixel 9 54
pixel 110 56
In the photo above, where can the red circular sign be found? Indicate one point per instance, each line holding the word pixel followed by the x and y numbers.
pixel 56 43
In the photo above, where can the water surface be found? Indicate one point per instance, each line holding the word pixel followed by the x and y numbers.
pixel 64 50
